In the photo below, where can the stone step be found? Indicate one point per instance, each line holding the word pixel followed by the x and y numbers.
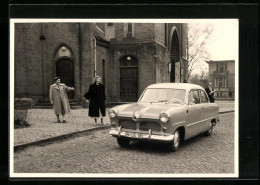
pixel 47 101
pixel 49 104
pixel 50 107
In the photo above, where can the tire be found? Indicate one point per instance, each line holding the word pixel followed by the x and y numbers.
pixel 175 144
pixel 123 142
pixel 209 132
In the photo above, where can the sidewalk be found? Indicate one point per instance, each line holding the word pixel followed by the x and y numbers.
pixel 43 126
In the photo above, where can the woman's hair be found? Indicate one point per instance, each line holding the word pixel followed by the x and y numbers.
pixel 96 78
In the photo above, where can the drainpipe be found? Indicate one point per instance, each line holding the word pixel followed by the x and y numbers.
pixel 95 56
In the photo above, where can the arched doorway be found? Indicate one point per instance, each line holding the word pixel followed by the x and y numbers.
pixel 128 79
pixel 64 66
pixel 65 70
pixel 175 54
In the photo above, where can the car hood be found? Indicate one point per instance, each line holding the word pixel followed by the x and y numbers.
pixel 145 110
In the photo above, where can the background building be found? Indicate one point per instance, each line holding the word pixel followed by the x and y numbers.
pixel 128 57
pixel 222 76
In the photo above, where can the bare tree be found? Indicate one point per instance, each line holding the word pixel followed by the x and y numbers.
pixel 198 37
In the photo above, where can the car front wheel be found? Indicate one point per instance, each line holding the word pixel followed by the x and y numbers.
pixel 175 144
pixel 123 142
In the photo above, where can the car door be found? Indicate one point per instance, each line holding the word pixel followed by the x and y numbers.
pixel 206 110
pixel 195 124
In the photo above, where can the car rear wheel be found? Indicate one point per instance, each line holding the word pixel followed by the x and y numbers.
pixel 175 144
pixel 209 132
pixel 123 142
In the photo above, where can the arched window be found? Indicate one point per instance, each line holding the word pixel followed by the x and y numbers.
pixel 175 53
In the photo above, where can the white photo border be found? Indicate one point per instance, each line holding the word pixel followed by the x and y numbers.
pixel 99 175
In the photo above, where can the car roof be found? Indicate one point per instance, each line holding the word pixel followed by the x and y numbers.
pixel 186 86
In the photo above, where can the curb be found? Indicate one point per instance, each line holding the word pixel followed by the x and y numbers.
pixel 44 142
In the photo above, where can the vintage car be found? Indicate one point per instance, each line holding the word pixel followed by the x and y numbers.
pixel 165 112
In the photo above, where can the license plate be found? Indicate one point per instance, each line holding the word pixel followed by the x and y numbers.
pixel 134 135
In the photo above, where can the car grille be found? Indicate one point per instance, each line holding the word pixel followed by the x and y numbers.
pixel 127 124
pixel 150 125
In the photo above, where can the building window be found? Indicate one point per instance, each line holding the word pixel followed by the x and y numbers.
pixel 110 24
pixel 129 29
pixel 221 68
pixel 230 94
pixel 220 82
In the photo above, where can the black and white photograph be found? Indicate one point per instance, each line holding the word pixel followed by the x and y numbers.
pixel 124 98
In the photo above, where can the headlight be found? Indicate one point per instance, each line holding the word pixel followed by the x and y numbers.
pixel 112 113
pixel 164 117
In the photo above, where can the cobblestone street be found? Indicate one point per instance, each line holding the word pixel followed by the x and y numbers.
pixel 99 152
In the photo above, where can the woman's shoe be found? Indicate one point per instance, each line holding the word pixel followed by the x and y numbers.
pixel 95 119
pixel 102 123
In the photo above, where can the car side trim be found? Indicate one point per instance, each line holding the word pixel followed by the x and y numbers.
pixel 181 122
pixel 192 124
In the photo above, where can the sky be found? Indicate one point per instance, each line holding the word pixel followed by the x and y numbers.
pixel 223 44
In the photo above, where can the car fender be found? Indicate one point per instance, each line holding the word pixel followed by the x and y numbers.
pixel 177 118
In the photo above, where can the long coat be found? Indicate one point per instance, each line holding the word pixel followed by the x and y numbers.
pixel 96 96
pixel 211 96
pixel 58 96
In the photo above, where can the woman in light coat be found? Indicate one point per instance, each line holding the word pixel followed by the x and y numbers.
pixel 59 99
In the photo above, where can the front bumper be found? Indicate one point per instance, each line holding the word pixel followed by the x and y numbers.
pixel 141 136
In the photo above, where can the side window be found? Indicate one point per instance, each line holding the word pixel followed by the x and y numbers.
pixel 194 94
pixel 190 96
pixel 203 96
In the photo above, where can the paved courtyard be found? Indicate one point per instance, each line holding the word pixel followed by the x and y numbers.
pixel 98 152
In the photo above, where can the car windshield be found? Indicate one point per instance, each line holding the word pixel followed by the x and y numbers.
pixel 164 95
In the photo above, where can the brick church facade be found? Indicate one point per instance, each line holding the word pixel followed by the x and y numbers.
pixel 128 57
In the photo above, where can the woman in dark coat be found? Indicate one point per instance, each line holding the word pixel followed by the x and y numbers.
pixel 96 98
